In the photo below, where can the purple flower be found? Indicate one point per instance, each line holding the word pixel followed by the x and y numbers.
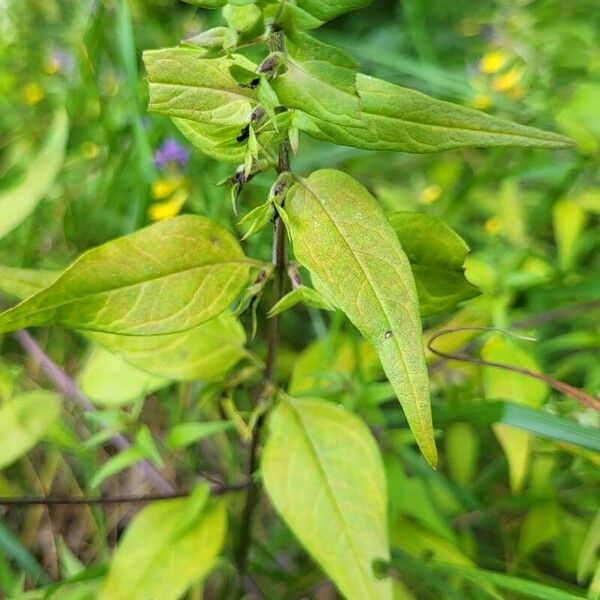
pixel 171 152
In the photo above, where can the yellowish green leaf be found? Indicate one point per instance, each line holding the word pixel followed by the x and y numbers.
pixel 24 420
pixel 165 278
pixel 110 381
pixel 341 235
pixel 169 546
pixel 323 473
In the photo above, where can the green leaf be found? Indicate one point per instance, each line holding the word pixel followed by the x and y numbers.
pixel 538 422
pixel 168 277
pixel 502 385
pixel 22 283
pixel 204 352
pixel 19 201
pixel 168 546
pixel 339 105
pixel 301 295
pixel 341 235
pixel 204 99
pixel 319 12
pixel 323 473
pixel 110 381
pixel 485 578
pixel 206 102
pixel 143 448
pixel 185 434
pixel 24 420
pixel 437 255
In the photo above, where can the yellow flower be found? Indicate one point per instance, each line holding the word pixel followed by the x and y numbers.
pixel 430 194
pixel 481 101
pixel 493 61
pixel 33 93
pixel 90 150
pixel 168 208
pixel 493 226
pixel 509 80
pixel 163 188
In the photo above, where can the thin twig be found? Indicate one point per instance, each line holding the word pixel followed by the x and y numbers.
pixel 562 387
pixel 215 490
pixel 279 264
pixel 68 388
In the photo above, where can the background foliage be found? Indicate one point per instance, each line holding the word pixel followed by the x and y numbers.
pixel 82 162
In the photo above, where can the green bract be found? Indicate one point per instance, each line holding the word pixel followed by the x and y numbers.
pixel 341 235
pixel 149 282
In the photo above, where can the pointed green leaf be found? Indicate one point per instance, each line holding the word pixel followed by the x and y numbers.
pixel 341 235
pixel 169 546
pixel 24 420
pixel 168 277
pixel 337 104
pixel 19 201
pixel 436 254
pixel 323 473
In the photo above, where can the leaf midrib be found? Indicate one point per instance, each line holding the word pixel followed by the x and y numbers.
pixel 328 487
pixel 19 306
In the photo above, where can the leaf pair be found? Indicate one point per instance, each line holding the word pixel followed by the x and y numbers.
pixel 207 103
pixel 337 104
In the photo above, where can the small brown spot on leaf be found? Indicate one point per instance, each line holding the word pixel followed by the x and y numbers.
pixel 387 335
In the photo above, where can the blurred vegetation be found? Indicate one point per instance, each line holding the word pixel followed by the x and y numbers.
pixel 517 490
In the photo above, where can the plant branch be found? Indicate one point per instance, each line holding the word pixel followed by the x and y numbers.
pixel 215 490
pixel 560 386
pixel 279 265
pixel 69 389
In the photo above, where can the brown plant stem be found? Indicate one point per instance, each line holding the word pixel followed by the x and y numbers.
pixel 215 490
pixel 279 265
